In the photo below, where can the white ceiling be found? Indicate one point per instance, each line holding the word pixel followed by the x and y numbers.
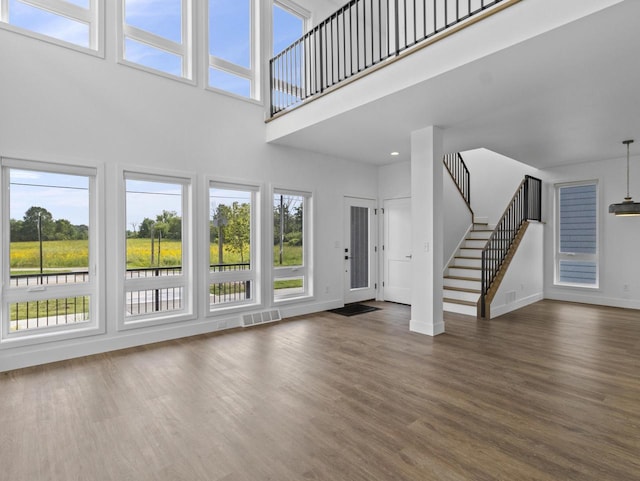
pixel 570 95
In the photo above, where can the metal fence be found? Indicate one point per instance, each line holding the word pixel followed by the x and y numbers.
pixel 70 310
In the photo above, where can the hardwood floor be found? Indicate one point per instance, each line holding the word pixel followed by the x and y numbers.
pixel 549 392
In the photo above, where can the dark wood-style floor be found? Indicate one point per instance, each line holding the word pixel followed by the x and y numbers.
pixel 550 392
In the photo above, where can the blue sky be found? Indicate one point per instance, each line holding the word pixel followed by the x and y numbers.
pixel 229 33
pixel 65 196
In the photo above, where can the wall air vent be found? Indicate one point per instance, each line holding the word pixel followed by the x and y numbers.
pixel 260 318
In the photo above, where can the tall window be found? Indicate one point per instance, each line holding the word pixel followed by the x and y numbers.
pixel 288 25
pixel 291 244
pixel 232 245
pixel 232 51
pixel 577 234
pixel 158 259
pixel 157 34
pixel 51 251
pixel 67 22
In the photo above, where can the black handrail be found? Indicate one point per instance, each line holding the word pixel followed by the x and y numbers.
pixel 357 36
pixel 525 205
pixel 460 175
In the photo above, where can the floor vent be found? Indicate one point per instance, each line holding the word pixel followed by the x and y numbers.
pixel 260 318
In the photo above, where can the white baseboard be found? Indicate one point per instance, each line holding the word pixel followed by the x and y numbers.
pixel 519 303
pixel 21 357
pixel 591 299
pixel 426 328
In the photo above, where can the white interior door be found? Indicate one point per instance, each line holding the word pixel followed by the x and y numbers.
pixel 360 250
pixel 397 250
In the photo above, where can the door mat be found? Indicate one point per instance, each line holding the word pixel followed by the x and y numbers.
pixel 353 309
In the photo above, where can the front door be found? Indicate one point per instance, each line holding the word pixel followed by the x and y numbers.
pixel 360 250
pixel 397 250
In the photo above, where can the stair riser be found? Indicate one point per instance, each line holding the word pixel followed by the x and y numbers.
pixel 460 283
pixel 467 262
pixel 484 235
pixel 474 243
pixel 462 272
pixel 459 295
pixel 457 308
pixel 470 253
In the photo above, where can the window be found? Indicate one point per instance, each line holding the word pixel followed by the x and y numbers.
pixel 71 23
pixel 288 25
pixel 291 244
pixel 231 47
pixel 51 288
pixel 577 234
pixel 157 267
pixel 157 35
pixel 232 245
pixel 288 71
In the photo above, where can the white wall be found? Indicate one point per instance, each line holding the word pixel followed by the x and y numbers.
pixel 619 237
pixel 523 283
pixel 394 181
pixel 494 180
pixel 60 105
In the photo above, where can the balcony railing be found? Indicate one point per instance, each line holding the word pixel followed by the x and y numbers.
pixel 357 36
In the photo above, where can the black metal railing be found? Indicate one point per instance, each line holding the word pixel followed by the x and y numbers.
pixel 357 36
pixel 460 175
pixel 64 311
pixel 525 205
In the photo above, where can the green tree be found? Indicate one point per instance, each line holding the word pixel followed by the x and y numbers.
pixel 146 228
pixel 63 230
pixel 238 229
pixel 15 228
pixel 32 217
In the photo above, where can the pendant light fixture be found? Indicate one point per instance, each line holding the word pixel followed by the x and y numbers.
pixel 627 207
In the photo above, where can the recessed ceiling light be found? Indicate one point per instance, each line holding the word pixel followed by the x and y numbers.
pixel 395 154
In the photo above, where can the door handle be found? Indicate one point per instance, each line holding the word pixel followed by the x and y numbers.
pixel 409 256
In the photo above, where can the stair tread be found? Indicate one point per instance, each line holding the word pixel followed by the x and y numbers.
pixel 460 301
pixel 461 289
pixel 467 257
pixel 466 267
pixel 460 278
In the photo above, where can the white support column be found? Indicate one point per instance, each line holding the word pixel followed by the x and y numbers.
pixel 427 225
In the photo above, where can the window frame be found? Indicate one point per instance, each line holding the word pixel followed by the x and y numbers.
pixel 253 73
pixel 564 256
pixel 306 269
pixel 253 274
pixel 183 280
pixel 95 287
pixel 294 9
pixel 185 49
pixel 93 17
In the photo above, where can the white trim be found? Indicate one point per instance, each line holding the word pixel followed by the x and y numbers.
pixel 304 271
pixel 254 273
pixel 93 17
pixel 94 288
pixel 185 280
pixel 183 49
pixel 253 73
pixel 520 303
pixel 560 256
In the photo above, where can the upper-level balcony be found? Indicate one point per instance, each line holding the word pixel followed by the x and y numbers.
pixel 358 83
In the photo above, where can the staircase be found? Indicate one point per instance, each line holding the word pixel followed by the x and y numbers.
pixel 473 276
pixel 462 279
